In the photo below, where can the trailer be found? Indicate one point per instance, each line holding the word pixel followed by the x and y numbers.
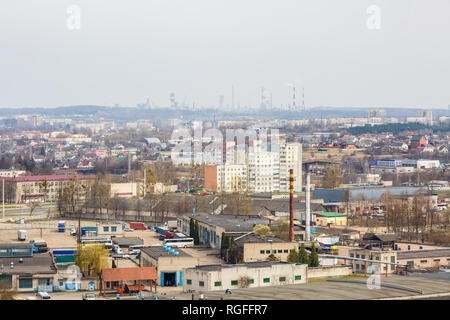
pixel 138 226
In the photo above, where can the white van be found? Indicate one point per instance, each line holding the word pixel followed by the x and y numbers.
pixel 43 295
pixel 118 249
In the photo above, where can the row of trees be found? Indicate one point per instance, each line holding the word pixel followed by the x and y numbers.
pixel 301 256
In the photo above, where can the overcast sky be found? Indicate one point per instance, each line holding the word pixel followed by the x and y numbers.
pixel 129 50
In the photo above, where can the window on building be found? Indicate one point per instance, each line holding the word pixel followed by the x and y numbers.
pixel 298 277
pixel 286 251
pixel 357 256
pixel 234 282
pixel 280 251
pixel 113 229
pixel 351 255
pixel 267 251
pixel 105 229
pixel 25 283
pixel 274 251
pixel 266 280
pixel 261 251
pixel 357 266
pixel 363 256
pixel 251 281
pixel 282 279
pixel 188 281
pixel 217 284
pixel 201 283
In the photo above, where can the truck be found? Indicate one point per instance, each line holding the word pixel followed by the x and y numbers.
pixel 162 230
pixel 61 226
pixel 138 226
pixel 21 235
pixel 39 245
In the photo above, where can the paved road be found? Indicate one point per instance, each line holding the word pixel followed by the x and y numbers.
pixel 333 290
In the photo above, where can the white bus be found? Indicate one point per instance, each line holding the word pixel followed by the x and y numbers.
pixel 104 241
pixel 180 242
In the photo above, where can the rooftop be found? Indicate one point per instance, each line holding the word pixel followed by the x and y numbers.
pixel 129 274
pixel 330 214
pixel 53 177
pixel 232 223
pixel 414 254
pixel 40 263
pixel 159 252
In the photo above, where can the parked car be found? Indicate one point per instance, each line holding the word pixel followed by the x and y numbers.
pixel 73 232
pixel 127 229
pixel 89 296
pixel 43 295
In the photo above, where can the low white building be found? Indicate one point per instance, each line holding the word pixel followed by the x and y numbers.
pixel 246 275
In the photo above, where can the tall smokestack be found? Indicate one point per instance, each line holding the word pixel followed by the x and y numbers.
pixel 291 204
pixel 308 207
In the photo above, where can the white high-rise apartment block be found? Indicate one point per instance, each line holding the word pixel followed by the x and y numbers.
pixel 263 167
pixel 290 158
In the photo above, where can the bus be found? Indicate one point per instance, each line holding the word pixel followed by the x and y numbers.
pixel 180 242
pixel 96 240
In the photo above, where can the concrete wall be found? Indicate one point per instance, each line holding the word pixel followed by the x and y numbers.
pixel 331 271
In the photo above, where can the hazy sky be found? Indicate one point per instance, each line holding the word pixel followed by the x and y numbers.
pixel 129 50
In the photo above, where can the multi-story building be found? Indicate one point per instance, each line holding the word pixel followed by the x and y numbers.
pixel 257 169
pixel 40 188
pixel 363 266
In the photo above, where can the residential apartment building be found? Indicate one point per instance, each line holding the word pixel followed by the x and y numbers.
pixel 257 170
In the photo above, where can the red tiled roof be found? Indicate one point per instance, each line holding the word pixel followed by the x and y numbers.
pixel 129 274
pixel 53 177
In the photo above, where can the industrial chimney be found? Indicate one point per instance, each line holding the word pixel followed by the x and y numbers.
pixel 291 204
pixel 308 207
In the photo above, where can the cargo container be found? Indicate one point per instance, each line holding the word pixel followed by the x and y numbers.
pixel 138 226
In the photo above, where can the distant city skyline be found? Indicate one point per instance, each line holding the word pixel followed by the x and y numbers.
pixel 141 52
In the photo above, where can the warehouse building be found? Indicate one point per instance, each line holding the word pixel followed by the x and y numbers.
pixel 28 274
pixel 248 275
pixel 434 258
pixel 211 227
pixel 253 247
pixel 169 265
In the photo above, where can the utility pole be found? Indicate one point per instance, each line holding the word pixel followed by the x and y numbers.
pixel 291 204
pixel 3 199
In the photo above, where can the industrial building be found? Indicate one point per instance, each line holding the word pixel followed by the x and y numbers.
pixel 211 227
pixel 362 266
pixel 168 264
pixel 24 272
pixel 330 218
pixel 253 247
pixel 247 275
pixel 433 258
